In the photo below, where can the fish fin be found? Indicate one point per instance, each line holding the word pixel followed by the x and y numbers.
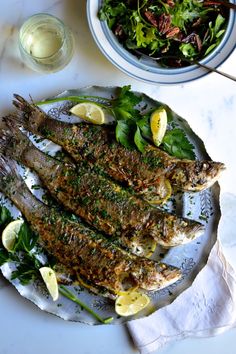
pixel 16 118
pixel 28 115
pixel 21 104
pixel 9 175
pixel 13 142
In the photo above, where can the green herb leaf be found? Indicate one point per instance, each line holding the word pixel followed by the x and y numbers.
pixel 27 270
pixel 176 143
pixel 188 50
pixel 124 133
pixel 26 239
pixel 123 106
pixel 140 142
pixel 5 216
pixel 4 256
pixel 144 125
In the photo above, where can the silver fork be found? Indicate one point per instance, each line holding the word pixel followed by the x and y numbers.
pixel 190 61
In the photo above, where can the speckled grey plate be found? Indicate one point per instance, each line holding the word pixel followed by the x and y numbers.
pixel 203 206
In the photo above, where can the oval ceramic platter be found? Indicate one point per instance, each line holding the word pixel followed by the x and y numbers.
pixel 190 258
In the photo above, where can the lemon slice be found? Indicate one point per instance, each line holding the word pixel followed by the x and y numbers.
pixel 158 124
pixel 50 280
pixel 164 192
pixel 131 303
pixel 10 233
pixel 90 112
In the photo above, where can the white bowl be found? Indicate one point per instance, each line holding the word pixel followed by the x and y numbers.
pixel 146 69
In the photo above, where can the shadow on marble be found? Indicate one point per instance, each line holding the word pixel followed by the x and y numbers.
pixel 10 59
pixel 3 282
pixel 75 16
pixel 227 223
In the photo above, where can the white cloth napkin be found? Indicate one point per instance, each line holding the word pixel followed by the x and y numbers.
pixel 207 308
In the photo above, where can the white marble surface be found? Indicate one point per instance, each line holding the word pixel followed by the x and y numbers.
pixel 209 105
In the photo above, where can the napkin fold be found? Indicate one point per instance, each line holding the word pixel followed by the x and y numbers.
pixel 206 308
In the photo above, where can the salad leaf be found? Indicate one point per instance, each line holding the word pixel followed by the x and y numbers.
pixel 177 144
pixel 188 50
pixel 215 34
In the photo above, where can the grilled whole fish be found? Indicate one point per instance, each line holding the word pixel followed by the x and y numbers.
pixel 78 247
pixel 99 201
pixel 98 145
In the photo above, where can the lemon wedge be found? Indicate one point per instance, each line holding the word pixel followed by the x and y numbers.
pixel 89 112
pixel 50 280
pixel 158 125
pixel 131 303
pixel 10 233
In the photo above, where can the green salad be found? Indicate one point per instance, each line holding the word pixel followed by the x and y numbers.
pixel 176 29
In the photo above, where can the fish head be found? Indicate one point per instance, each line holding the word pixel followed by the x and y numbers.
pixel 175 231
pixel 155 276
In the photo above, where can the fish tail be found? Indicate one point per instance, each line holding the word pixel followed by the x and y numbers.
pixel 28 114
pixel 13 186
pixel 21 104
pixel 9 176
pixel 13 142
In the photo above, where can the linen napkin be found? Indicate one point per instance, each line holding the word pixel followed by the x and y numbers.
pixel 206 308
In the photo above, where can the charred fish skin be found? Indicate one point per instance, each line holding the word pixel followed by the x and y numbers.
pixel 98 200
pixel 78 247
pixel 99 146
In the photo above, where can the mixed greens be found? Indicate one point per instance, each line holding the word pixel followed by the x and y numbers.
pixel 183 28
